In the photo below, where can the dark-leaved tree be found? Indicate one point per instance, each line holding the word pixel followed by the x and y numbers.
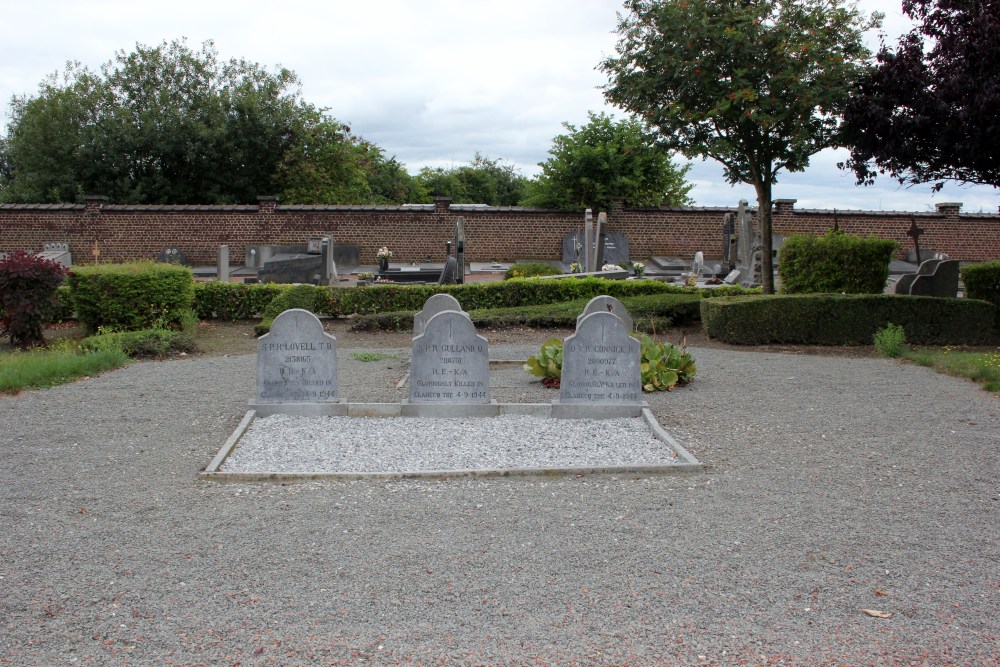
pixel 930 109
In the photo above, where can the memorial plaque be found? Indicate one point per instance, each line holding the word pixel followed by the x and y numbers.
pixel 606 304
pixel 297 361
pixel 450 362
pixel 601 363
pixel 438 303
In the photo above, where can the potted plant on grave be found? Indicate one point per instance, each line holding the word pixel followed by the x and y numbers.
pixel 638 268
pixel 383 256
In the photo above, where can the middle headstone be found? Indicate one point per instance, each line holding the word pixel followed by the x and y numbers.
pixel 437 303
pixel 450 364
pixel 600 369
pixel 606 304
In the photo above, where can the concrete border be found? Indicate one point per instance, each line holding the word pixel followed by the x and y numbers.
pixel 686 462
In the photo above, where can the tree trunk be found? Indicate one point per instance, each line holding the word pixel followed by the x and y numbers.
pixel 764 219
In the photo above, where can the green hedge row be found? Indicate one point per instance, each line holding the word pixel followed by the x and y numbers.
pixel 834 319
pixel 835 263
pixel 132 296
pixel 651 313
pixel 982 281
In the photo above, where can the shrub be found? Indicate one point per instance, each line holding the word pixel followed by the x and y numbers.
pixel 133 296
pixel 890 341
pixel 530 270
pixel 547 364
pixel 835 263
pixel 982 281
pixel 834 319
pixel 307 297
pixel 144 343
pixel 28 301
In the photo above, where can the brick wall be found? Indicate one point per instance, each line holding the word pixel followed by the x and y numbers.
pixel 419 232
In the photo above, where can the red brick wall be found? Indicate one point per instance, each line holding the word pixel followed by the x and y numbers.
pixel 417 233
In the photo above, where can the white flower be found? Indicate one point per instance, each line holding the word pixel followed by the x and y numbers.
pixel 383 253
pixel 611 267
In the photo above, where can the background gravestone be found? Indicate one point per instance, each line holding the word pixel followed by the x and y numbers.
pixel 616 248
pixel 450 362
pixel 601 364
pixel 607 304
pixel 296 362
pixel 172 255
pixel 437 303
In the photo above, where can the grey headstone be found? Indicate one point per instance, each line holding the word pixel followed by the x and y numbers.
pixel 588 241
pixel 297 361
pixel 450 362
pixel 731 277
pixel 573 249
pixel 943 282
pixel 616 248
pixel 601 238
pixel 58 252
pixel 606 304
pixel 438 303
pixel 601 363
pixel 222 269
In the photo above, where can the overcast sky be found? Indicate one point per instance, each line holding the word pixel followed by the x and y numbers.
pixel 430 81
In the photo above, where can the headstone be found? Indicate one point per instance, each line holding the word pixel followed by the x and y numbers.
pixel 172 255
pixel 315 245
pixel 942 282
pixel 698 265
pixel 573 250
pixel 57 252
pixel 731 277
pixel 728 229
pixel 437 303
pixel 606 304
pixel 222 270
pixel 600 258
pixel 296 362
pixel 459 250
pixel 327 252
pixel 601 363
pixel 450 362
pixel 449 272
pixel 615 248
pixel 588 242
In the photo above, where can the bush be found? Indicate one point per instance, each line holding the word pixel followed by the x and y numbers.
pixel 982 281
pixel 144 343
pixel 833 319
pixel 835 263
pixel 28 301
pixel 307 297
pixel 530 270
pixel 133 296
pixel 890 342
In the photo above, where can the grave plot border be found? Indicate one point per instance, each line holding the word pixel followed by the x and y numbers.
pixel 686 464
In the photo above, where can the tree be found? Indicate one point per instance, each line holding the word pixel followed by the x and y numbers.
pixel 930 109
pixel 759 85
pixel 604 161
pixel 482 181
pixel 163 124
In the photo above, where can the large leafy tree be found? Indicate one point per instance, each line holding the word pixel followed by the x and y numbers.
pixel 606 160
pixel 930 109
pixel 167 124
pixel 482 181
pixel 759 85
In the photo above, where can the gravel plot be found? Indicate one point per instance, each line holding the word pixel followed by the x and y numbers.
pixel 281 443
pixel 833 485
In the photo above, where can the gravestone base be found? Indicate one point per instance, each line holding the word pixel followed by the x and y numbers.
pixel 596 410
pixel 444 410
pixel 338 408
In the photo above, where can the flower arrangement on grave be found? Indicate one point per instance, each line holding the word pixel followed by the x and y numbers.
pixel 383 253
pixel 638 268
pixel 611 267
pixel 576 267
pixel 365 275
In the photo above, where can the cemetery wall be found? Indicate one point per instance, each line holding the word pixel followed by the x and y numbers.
pixel 419 232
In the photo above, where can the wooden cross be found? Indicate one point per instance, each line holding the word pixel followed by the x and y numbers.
pixel 914 232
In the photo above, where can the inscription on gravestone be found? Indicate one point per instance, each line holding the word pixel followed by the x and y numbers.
pixel 607 304
pixel 601 363
pixel 297 361
pixel 450 362
pixel 437 303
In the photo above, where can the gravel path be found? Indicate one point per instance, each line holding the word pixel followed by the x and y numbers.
pixel 833 485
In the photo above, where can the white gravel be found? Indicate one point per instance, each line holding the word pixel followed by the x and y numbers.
pixel 281 443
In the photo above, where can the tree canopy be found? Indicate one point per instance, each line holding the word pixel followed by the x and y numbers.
pixel 482 181
pixel 759 85
pixel 171 124
pixel 930 109
pixel 606 160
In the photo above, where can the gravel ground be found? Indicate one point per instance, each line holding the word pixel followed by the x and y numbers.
pixel 833 485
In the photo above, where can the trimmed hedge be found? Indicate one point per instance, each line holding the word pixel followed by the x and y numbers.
pixel 835 319
pixel 132 296
pixel 982 281
pixel 144 343
pixel 835 263
pixel 651 313
pixel 308 297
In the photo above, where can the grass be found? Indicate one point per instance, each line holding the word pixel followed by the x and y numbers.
pixel 47 368
pixel 372 356
pixel 981 367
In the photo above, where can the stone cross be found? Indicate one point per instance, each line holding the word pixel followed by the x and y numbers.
pixel 914 233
